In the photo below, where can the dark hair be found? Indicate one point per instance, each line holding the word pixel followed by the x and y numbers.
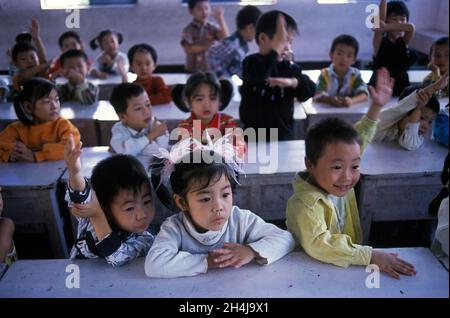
pixel 72 53
pixel 440 41
pixel 246 16
pixel 327 131
pixel 113 174
pixel 68 35
pixel 397 8
pixel 433 103
pixel 267 23
pixel 21 47
pixel 182 93
pixel 122 93
pixel 24 37
pixel 193 3
pixel 97 41
pixel 345 39
pixel 33 90
pixel 145 48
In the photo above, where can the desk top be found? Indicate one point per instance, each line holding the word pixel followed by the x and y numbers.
pixel 296 275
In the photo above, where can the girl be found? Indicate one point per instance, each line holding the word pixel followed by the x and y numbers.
pixel 112 222
pixel 111 60
pixel 210 232
pixel 40 133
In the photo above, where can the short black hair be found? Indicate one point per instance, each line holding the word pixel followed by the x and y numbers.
pixel 113 174
pixel 72 53
pixel 24 37
pixel 143 47
pixel 248 15
pixel 122 93
pixel 327 131
pixel 267 23
pixel 68 35
pixel 192 3
pixel 345 39
pixel 397 8
pixel 21 47
pixel 440 41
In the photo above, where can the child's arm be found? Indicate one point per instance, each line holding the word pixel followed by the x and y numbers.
pixel 350 101
pixel 219 16
pixel 391 264
pixel 195 48
pixel 408 28
pixel 162 95
pixel 378 32
pixel 72 153
pixel 35 35
pixel 21 153
pixel 25 75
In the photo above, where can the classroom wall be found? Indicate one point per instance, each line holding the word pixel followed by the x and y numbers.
pixel 160 23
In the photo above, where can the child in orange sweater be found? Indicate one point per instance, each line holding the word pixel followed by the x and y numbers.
pixel 41 133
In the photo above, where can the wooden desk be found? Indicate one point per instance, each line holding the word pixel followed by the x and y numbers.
pixel 29 195
pixel 294 276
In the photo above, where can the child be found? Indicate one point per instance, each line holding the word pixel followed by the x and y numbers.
pixel 111 60
pixel 210 232
pixel 409 121
pixel 390 43
pixel 226 56
pixel 205 95
pixel 341 84
pixel 75 70
pixel 271 81
pixel 438 64
pixel 143 60
pixel 40 133
pixel 8 252
pixel 199 35
pixel 114 215
pixel 322 214
pixel 137 133
pixel 4 91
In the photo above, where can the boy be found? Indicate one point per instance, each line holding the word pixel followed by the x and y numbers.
pixel 341 84
pixel 138 133
pixel 270 81
pixel 322 214
pixel 438 64
pixel 143 58
pixel 198 36
pixel 75 70
pixel 8 252
pixel 226 56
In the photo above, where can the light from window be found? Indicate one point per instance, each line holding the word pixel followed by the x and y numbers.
pixel 81 4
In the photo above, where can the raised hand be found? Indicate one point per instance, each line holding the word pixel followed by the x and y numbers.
pixel 34 29
pixel 72 154
pixel 382 92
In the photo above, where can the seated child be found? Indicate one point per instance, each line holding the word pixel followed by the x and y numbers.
pixel 143 60
pixel 210 232
pixel 111 60
pixel 199 35
pixel 40 134
pixel 4 91
pixel 271 81
pixel 75 70
pixel 341 84
pixel 138 133
pixel 441 123
pixel 323 214
pixel 21 37
pixel 8 252
pixel 225 57
pixel 409 121
pixel 438 64
pixel 113 216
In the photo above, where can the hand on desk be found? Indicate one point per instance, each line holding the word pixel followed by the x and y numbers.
pixel 232 254
pixel 21 153
pixel 392 265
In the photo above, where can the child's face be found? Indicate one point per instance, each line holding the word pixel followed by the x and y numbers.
pixel 342 58
pixel 143 65
pixel 210 208
pixel 77 64
pixel 139 112
pixel 45 109
pixel 201 11
pixel 426 119
pixel 70 44
pixel 110 44
pixel 248 33
pixel 266 44
pixel 133 212
pixel 26 60
pixel 439 57
pixel 204 103
pixel 396 19
pixel 337 170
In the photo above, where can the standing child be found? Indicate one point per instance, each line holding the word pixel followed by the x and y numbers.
pixel 225 57
pixel 210 232
pixel 143 60
pixel 8 252
pixel 323 214
pixel 199 35
pixel 390 44
pixel 271 81
pixel 341 84
pixel 40 133
pixel 438 64
pixel 138 133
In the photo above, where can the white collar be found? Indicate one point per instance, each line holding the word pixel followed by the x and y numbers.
pixel 207 238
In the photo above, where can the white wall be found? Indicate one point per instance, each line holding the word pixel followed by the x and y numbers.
pixel 442 19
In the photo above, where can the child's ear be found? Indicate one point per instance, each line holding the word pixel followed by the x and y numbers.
pixel 28 107
pixel 180 202
pixel 122 116
pixel 263 39
pixel 308 164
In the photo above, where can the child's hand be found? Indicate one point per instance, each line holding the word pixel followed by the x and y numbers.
pixel 423 97
pixel 72 154
pixel 99 74
pixel 382 92
pixel 434 68
pixel 74 77
pixel 34 29
pixel 21 153
pixel 88 210
pixel 392 265
pixel 218 13
pixel 280 40
pixel 106 59
pixel 233 254
pixel 158 129
pixel 282 82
